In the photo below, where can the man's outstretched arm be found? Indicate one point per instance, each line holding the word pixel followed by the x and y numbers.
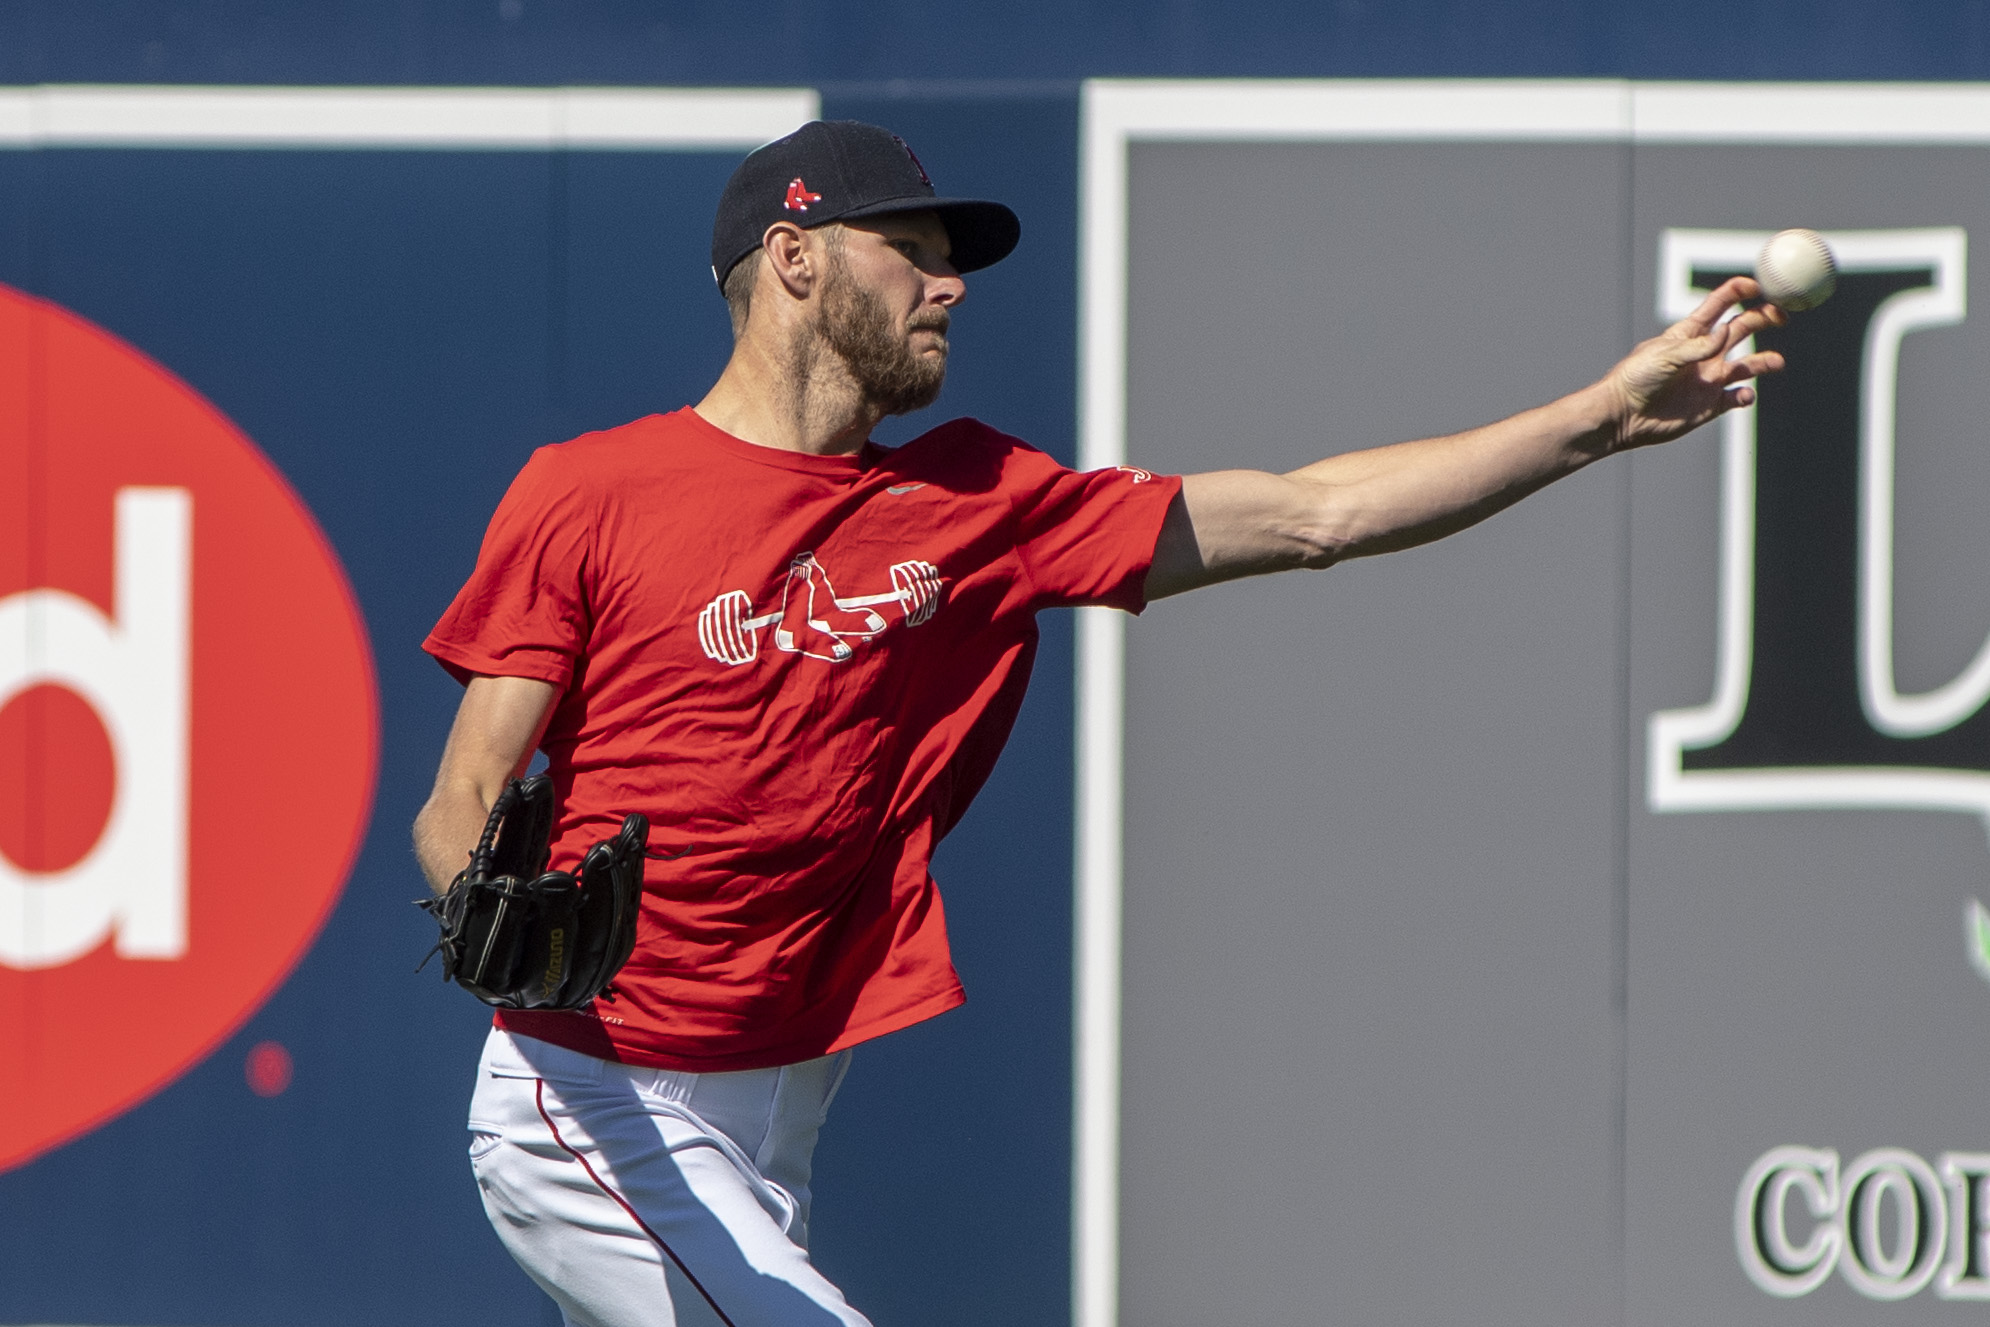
pixel 497 726
pixel 1234 523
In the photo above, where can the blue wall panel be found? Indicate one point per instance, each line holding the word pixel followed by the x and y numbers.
pixel 379 324
pixel 808 41
pixel 398 331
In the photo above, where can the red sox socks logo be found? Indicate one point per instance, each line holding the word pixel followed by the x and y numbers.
pixel 812 620
pixel 799 196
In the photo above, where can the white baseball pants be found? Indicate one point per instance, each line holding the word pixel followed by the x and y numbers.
pixel 649 1198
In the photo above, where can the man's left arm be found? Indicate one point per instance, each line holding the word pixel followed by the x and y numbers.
pixel 1234 523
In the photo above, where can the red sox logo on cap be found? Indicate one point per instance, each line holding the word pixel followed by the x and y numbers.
pixel 799 197
pixel 188 728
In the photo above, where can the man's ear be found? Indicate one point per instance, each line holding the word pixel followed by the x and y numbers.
pixel 794 262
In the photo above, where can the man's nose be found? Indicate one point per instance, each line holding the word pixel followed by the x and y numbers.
pixel 946 290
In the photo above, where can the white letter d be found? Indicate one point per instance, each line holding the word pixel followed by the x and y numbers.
pixel 133 671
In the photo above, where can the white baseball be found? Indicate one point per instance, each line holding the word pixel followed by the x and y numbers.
pixel 1796 270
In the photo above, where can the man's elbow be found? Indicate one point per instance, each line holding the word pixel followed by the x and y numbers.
pixel 432 854
pixel 1322 529
pixel 1319 546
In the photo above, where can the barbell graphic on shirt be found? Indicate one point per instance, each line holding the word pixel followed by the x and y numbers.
pixel 812 620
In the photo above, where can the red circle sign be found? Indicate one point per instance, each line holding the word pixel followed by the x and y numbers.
pixel 188 727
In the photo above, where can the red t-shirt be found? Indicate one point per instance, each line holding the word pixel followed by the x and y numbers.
pixel 801 669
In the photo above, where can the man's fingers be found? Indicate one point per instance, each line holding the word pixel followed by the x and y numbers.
pixel 1729 293
pixel 1734 398
pixel 1708 345
pixel 1725 337
pixel 1751 366
pixel 1736 330
pixel 1751 321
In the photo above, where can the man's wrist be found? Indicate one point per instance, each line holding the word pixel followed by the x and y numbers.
pixel 1600 423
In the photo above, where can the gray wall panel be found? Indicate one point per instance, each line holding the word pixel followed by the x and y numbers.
pixel 1800 977
pixel 1371 1037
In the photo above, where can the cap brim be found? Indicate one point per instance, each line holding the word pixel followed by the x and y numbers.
pixel 983 233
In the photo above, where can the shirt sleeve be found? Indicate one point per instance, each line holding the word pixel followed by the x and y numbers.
pixel 1087 537
pixel 524 612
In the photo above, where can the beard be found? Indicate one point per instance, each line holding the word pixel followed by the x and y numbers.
pixel 857 328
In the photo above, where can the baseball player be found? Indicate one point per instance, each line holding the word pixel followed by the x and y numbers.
pixel 798 653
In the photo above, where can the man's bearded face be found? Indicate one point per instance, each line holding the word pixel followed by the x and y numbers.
pixel 857 326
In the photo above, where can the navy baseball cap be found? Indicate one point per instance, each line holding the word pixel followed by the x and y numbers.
pixel 841 170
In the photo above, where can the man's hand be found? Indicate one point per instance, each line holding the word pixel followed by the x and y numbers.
pixel 1244 523
pixel 1682 378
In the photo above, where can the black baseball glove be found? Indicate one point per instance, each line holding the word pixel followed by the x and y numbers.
pixel 519 936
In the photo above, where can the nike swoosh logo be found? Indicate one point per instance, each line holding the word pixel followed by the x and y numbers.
pixel 900 490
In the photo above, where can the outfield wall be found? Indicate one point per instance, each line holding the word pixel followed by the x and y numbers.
pixel 1462 937
pixel 1580 918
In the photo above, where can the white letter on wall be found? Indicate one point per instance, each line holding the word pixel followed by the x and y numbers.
pixel 132 884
